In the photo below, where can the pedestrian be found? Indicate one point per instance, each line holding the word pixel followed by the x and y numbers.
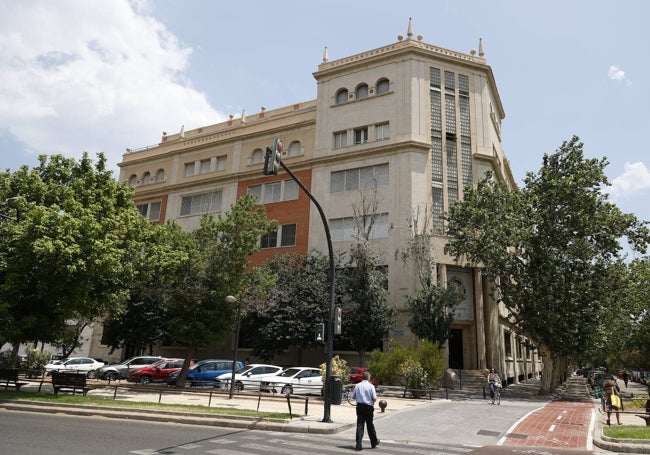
pixel 365 395
pixel 626 377
pixel 613 402
pixel 493 380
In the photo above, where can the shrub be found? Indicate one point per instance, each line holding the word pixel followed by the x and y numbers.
pixel 339 367
pixel 35 361
pixel 414 377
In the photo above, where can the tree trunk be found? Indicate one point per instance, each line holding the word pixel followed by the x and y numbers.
pixel 362 358
pixel 547 372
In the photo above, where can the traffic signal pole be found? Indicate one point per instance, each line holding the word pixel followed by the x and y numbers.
pixel 272 159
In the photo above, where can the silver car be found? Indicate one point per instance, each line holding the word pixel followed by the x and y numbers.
pixel 121 370
pixel 247 377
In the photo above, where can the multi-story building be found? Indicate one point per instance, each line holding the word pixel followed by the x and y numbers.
pixel 411 122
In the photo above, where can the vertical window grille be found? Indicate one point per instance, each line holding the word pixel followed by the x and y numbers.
pixel 452 173
pixel 436 159
pixel 288 237
pixel 463 85
pixel 340 139
pixel 434 77
pixel 272 192
pixel 466 161
pixel 221 163
pixel 437 210
pixel 205 166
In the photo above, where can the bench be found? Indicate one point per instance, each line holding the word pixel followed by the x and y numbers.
pixel 76 382
pixel 9 378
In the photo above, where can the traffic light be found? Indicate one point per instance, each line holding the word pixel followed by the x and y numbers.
pixel 320 332
pixel 273 158
pixel 338 320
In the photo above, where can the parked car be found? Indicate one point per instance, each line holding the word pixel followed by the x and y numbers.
pixel 204 373
pixel 356 375
pixel 121 370
pixel 248 376
pixel 156 372
pixel 84 365
pixel 304 380
pixel 599 379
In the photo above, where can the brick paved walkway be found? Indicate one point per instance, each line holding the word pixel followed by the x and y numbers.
pixel 559 424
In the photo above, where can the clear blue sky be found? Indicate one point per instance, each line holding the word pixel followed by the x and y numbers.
pixel 96 75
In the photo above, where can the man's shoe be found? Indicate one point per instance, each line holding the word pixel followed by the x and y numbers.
pixel 376 443
pixel 358 449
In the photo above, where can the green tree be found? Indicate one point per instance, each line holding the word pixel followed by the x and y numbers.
pixel 432 307
pixel 552 251
pixel 66 259
pixel 285 313
pixel 368 318
pixel 215 267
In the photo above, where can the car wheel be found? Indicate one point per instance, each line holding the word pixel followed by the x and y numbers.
pixel 92 374
pixel 144 379
pixel 287 390
pixel 111 376
pixel 189 383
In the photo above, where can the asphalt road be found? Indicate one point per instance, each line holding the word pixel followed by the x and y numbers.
pixel 448 424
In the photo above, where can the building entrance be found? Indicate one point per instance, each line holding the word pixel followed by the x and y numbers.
pixel 455 344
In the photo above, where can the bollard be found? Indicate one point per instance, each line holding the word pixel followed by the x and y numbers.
pixel 382 405
pixel 306 405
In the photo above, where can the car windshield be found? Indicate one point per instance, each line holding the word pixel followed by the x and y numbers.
pixel 159 363
pixel 244 369
pixel 289 372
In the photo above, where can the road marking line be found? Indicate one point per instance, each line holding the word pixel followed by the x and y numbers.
pixel 551 428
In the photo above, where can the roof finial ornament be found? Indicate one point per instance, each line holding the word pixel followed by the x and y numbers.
pixel 480 47
pixel 243 116
pixel 409 32
pixel 325 57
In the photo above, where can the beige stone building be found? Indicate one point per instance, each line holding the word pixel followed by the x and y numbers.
pixel 411 122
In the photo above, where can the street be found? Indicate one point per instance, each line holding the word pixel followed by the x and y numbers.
pixel 444 428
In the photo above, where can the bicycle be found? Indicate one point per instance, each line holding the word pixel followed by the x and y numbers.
pixel 348 396
pixel 496 398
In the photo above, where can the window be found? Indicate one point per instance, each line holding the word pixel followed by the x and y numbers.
pixel 146 178
pixel 295 149
pixel 221 163
pixel 382 86
pixel 150 211
pixel 133 180
pixel 257 156
pixel 361 135
pixel 507 344
pixel 188 169
pixel 342 96
pixel 286 234
pixel 286 190
pixel 201 203
pixel 359 178
pixel 382 132
pixel 362 91
pixel 340 139
pixel 343 229
pixel 205 166
pixel 160 175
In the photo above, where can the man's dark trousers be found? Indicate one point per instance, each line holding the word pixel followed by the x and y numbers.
pixel 365 414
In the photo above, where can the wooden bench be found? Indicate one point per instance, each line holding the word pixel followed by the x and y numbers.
pixel 9 378
pixel 76 382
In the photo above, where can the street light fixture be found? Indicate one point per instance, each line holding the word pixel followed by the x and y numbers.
pixel 233 299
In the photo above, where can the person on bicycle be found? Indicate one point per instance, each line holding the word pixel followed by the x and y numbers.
pixel 493 379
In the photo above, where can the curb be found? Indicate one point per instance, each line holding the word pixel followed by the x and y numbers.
pixel 188 418
pixel 634 446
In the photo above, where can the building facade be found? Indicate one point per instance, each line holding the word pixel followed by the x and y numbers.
pixel 409 124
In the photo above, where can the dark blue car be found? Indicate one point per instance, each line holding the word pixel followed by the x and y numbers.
pixel 204 372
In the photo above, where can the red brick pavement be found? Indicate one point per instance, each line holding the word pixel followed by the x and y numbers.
pixel 559 424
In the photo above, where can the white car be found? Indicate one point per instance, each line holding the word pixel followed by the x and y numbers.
pixel 84 365
pixel 247 377
pixel 301 380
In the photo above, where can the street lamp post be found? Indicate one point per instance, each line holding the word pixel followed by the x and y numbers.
pixel 232 299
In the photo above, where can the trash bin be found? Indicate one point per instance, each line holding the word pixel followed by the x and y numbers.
pixel 336 389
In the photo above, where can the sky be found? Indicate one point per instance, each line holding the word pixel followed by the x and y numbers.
pixel 103 76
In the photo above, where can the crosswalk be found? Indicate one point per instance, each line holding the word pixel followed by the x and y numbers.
pixel 270 443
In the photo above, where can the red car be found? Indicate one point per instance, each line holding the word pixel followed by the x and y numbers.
pixel 356 375
pixel 157 372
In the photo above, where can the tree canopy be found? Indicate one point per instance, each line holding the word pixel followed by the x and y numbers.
pixel 66 255
pixel 552 249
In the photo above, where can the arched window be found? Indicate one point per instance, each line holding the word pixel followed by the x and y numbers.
pixel 257 156
pixel 342 96
pixel 133 180
pixel 361 92
pixel 382 86
pixel 160 175
pixel 295 149
pixel 146 178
